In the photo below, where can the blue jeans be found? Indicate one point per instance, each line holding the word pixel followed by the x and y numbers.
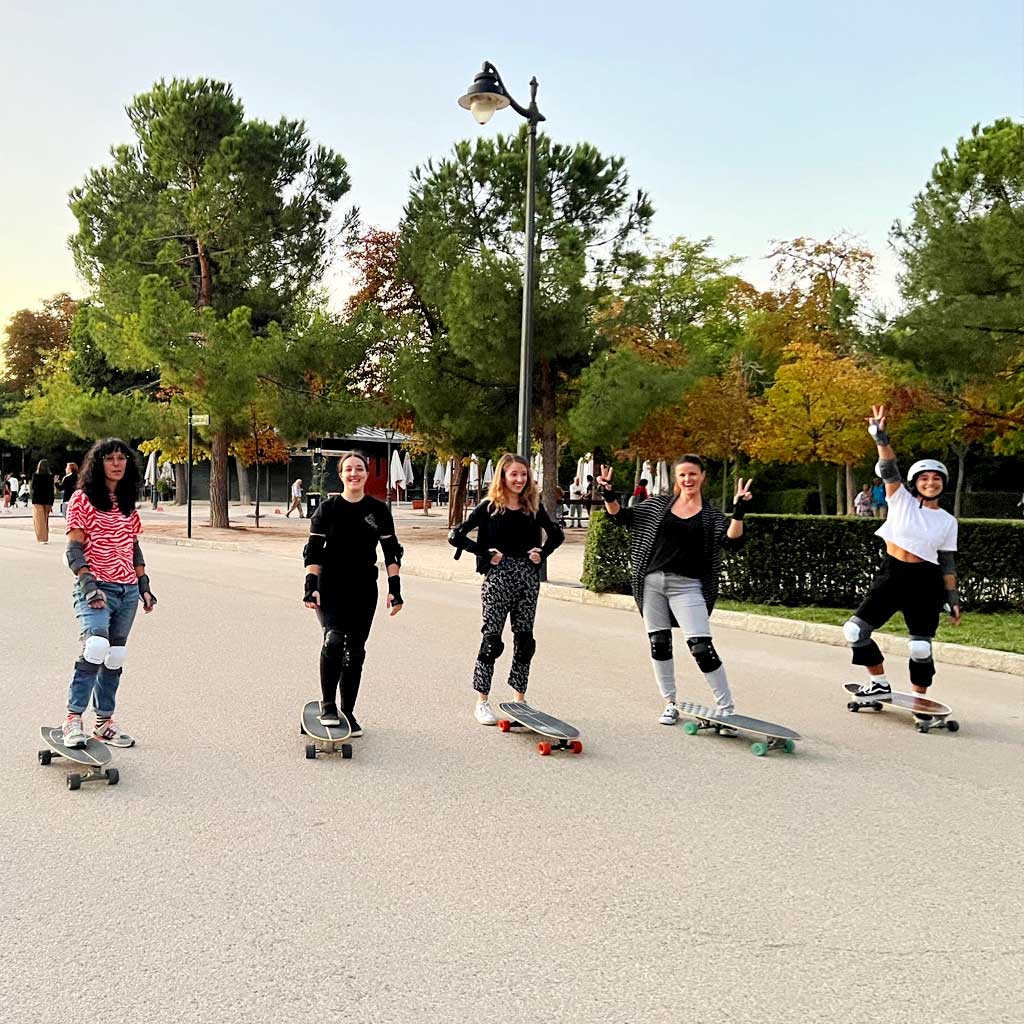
pixel 112 622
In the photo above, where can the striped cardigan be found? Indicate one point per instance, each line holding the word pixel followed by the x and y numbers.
pixel 644 521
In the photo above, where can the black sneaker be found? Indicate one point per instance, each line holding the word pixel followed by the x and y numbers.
pixel 328 715
pixel 357 729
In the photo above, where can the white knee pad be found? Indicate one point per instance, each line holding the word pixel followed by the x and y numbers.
pixel 855 632
pixel 920 650
pixel 115 659
pixel 96 649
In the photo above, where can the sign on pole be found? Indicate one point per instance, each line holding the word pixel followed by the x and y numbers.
pixel 201 421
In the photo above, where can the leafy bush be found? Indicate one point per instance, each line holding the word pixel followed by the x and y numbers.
pixel 991 504
pixel 793 501
pixel 606 556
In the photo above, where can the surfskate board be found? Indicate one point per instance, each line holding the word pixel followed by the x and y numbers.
pixel 327 739
pixel 566 737
pixel 94 757
pixel 769 735
pixel 930 714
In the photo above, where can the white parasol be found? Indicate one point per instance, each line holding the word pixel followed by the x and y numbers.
pixel 439 471
pixel 488 473
pixel 448 475
pixel 397 479
pixel 151 471
pixel 474 473
pixel 664 484
pixel 410 476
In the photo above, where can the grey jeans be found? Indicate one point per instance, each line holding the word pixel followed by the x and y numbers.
pixel 667 595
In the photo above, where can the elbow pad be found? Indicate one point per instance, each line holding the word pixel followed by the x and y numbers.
pixel 313 552
pixel 393 551
pixel 138 558
pixel 947 563
pixel 75 554
pixel 888 471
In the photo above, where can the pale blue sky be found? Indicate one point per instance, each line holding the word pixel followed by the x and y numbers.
pixel 744 121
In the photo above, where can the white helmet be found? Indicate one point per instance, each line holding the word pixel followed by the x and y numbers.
pixel 926 466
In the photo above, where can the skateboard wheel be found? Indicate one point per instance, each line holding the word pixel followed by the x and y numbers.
pixel 45 757
pixel 691 728
pixel 576 747
pixel 310 751
pixel 544 749
pixel 877 705
pixel 346 751
pixel 923 726
pixel 853 706
pixel 113 776
pixel 789 746
pixel 952 724
pixel 504 725
pixel 759 749
pixel 74 781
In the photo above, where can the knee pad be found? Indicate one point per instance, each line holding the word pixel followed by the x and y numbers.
pixel 353 656
pixel 920 649
pixel 524 648
pixel 95 650
pixel 857 632
pixel 704 653
pixel 115 658
pixel 490 648
pixel 661 644
pixel 334 643
pixel 922 667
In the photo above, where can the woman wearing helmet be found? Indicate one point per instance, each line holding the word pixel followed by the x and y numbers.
pixel 918 573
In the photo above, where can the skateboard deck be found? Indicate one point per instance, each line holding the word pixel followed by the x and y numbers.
pixel 328 739
pixel 930 714
pixel 94 756
pixel 772 736
pixel 566 737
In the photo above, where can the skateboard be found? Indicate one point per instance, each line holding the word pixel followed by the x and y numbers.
pixel 930 714
pixel 327 739
pixel 521 714
pixel 93 756
pixel 772 736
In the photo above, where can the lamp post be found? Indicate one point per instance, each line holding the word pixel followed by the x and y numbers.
pixel 486 95
pixel 389 434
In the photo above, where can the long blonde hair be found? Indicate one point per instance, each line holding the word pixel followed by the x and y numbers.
pixel 498 493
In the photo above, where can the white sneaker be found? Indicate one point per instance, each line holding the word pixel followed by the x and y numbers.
pixel 670 715
pixel 72 733
pixel 484 714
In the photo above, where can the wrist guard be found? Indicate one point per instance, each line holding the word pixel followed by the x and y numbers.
pixel 952 598
pixel 138 558
pixel 738 511
pixel 75 555
pixel 878 434
pixel 609 495
pixel 312 583
pixel 89 587
pixel 395 590
pixel 144 589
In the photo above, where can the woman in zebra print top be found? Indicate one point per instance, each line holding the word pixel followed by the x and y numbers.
pixel 675 561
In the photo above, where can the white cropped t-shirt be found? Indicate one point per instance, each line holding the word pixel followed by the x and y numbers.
pixel 921 531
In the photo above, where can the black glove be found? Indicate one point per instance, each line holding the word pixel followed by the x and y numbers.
pixel 89 588
pixel 144 590
pixel 608 494
pixel 738 511
pixel 395 590
pixel 952 599
pixel 312 584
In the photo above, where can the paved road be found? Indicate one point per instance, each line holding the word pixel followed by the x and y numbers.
pixel 447 873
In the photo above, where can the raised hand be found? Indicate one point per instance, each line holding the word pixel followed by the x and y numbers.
pixel 742 490
pixel 604 480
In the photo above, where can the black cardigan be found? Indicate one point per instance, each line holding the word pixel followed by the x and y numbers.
pixel 643 522
pixel 480 520
pixel 40 489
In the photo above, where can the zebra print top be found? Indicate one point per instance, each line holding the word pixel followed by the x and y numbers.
pixel 644 521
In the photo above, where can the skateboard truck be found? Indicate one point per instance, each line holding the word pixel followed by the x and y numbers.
pixel 96 773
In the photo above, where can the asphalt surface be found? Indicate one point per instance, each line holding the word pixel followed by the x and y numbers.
pixel 447 872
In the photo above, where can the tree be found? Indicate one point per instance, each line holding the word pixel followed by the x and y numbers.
pixel 31 337
pixel 210 213
pixel 814 411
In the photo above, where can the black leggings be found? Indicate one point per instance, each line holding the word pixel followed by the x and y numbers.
pixel 346 616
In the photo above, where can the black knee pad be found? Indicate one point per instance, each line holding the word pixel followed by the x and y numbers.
pixel 523 648
pixel 867 654
pixel 335 643
pixel 922 672
pixel 704 653
pixel 490 648
pixel 661 644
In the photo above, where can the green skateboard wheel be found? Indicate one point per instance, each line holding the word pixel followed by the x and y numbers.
pixel 691 728
pixel 760 749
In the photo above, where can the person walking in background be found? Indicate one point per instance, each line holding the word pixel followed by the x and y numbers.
pixel 862 503
pixel 41 495
pixel 24 491
pixel 296 500
pixel 879 506
pixel 10 489
pixel 68 484
pixel 639 492
pixel 576 504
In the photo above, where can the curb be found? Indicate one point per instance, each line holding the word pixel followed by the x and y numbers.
pixel 771 625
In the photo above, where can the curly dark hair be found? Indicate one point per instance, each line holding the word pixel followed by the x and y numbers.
pixel 93 480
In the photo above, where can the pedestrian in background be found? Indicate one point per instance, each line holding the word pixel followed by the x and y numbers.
pixel 296 499
pixel 10 489
pixel 68 484
pixel 879 506
pixel 862 503
pixel 24 492
pixel 41 495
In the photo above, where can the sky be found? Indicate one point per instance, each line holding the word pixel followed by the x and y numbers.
pixel 745 122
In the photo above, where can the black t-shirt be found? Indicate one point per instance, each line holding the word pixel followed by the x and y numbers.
pixel 353 529
pixel 68 485
pixel 679 547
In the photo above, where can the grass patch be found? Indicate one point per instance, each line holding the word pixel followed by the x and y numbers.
pixel 998 631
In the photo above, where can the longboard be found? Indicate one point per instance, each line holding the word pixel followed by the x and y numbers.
pixel 327 739
pixel 566 737
pixel 93 756
pixel 930 714
pixel 772 736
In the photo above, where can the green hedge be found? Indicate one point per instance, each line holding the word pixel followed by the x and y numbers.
pixel 828 561
pixel 792 501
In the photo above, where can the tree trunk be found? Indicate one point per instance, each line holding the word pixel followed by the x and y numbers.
pixel 426 486
pixel 244 497
pixel 219 480
pixel 457 493
pixel 637 472
pixel 725 484
pixel 851 490
pixel 548 436
pixel 960 450
pixel 821 489
pixel 840 490
pixel 180 483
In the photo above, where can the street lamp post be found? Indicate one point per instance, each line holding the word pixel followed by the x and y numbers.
pixel 486 95
pixel 389 434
